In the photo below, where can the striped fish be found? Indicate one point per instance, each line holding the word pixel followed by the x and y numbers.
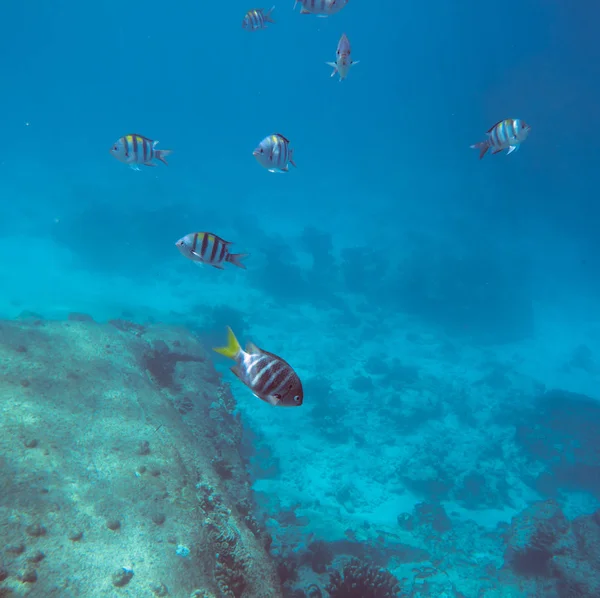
pixel 274 153
pixel 136 149
pixel 321 8
pixel 269 377
pixel 206 248
pixel 506 134
pixel 343 62
pixel 257 18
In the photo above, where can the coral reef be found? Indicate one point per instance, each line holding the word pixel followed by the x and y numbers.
pixel 360 580
pixel 543 543
pixel 561 430
pixel 120 466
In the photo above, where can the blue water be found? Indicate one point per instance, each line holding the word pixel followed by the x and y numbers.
pixel 390 249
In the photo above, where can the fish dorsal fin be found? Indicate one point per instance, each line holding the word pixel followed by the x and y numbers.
pixel 143 137
pixel 498 123
pixel 252 348
pixel 282 137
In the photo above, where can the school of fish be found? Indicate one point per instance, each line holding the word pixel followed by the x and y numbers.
pixel 268 376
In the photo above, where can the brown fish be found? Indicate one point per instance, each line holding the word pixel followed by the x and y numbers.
pixel 268 376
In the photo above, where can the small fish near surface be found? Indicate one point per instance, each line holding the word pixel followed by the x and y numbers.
pixel 257 18
pixel 274 153
pixel 321 8
pixel 136 150
pixel 206 248
pixel 343 62
pixel 269 377
pixel 506 134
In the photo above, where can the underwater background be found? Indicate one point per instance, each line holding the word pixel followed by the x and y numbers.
pixel 441 311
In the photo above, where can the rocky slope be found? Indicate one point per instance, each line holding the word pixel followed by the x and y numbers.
pixel 120 467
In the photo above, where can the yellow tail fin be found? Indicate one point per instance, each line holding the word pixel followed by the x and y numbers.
pixel 233 347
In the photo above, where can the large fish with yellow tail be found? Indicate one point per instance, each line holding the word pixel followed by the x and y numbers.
pixel 268 376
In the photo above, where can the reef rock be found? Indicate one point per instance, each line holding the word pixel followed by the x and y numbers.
pixel 120 467
pixel 544 544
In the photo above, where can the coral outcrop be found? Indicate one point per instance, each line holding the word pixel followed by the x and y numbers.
pixel 360 580
pixel 544 544
pixel 120 467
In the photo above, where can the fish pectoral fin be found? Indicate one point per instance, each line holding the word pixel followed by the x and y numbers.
pixel 354 62
pixel 134 167
pixel 196 254
pixel 511 149
pixel 335 68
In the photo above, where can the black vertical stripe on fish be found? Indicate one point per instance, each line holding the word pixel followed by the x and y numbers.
pixel 145 150
pixel 260 379
pixel 272 377
pixel 213 252
pixel 194 243
pixel 253 366
pixel 223 252
pixel 204 245
pixel 135 150
pixel 126 146
pixel 282 377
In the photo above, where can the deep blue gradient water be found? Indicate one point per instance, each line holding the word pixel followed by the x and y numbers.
pixel 389 230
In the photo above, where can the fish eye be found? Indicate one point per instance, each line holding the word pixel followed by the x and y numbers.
pixel 297 399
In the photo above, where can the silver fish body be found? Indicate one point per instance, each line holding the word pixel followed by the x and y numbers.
pixel 321 8
pixel 137 150
pixel 268 376
pixel 507 134
pixel 257 18
pixel 343 61
pixel 274 153
pixel 206 248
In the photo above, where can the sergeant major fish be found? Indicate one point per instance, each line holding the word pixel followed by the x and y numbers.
pixel 136 149
pixel 506 134
pixel 274 153
pixel 343 62
pixel 269 377
pixel 257 18
pixel 321 8
pixel 206 248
